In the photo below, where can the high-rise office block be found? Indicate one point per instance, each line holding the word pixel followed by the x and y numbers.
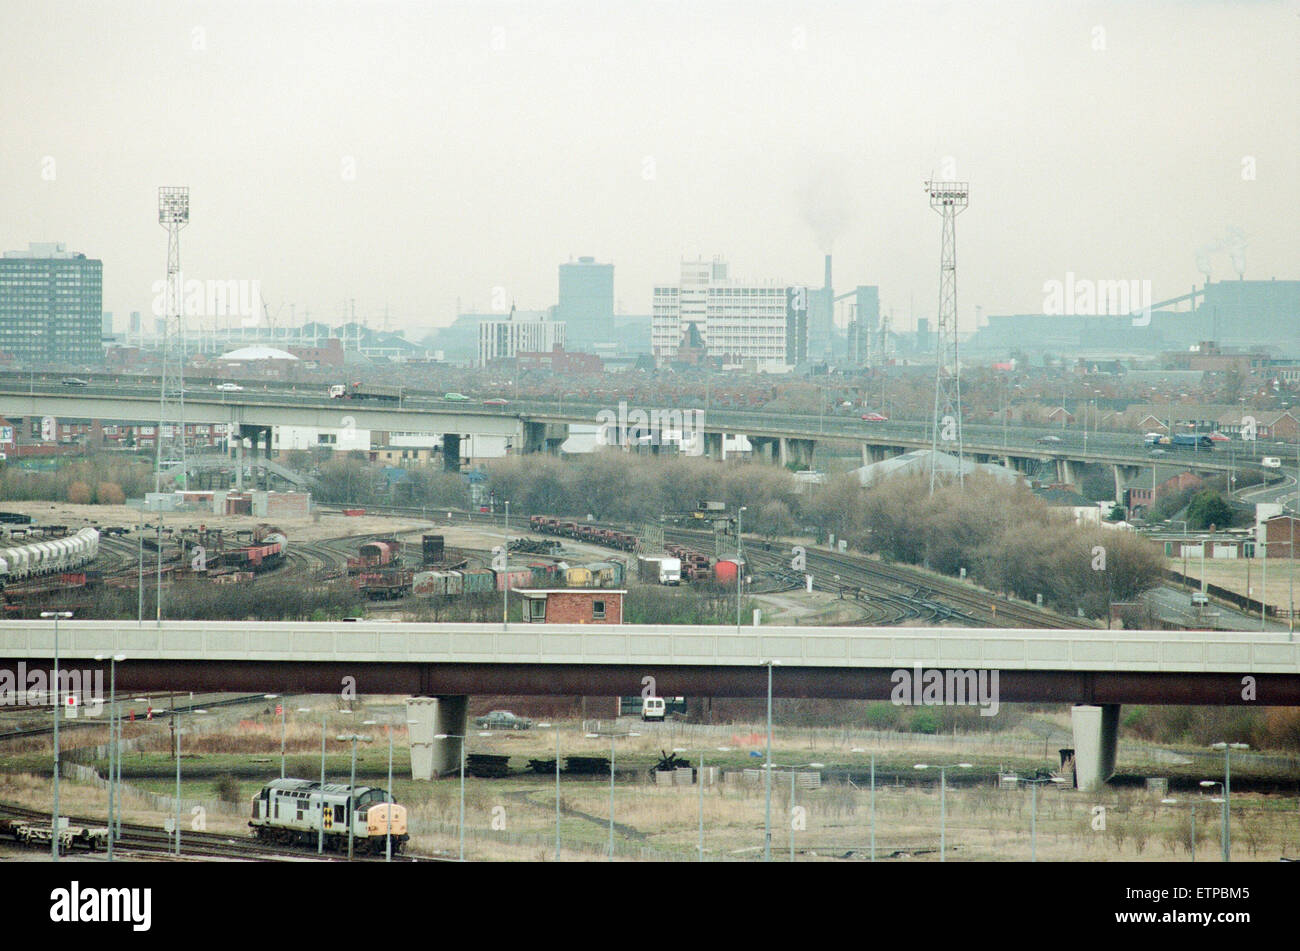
pixel 586 302
pixel 51 306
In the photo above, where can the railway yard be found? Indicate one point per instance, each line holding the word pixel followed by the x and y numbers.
pixel 512 777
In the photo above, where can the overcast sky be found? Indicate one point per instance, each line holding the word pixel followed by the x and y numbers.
pixel 491 141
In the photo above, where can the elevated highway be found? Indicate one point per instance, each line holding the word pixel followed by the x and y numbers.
pixel 1096 670
pixel 783 438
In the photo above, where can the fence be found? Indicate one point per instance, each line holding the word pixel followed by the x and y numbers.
pixel 155 801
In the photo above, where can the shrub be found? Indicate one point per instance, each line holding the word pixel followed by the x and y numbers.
pixel 228 788
pixel 79 493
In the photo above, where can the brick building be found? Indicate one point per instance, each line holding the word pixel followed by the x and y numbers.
pixel 572 605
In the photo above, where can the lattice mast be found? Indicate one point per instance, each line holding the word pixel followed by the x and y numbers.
pixel 173 214
pixel 949 199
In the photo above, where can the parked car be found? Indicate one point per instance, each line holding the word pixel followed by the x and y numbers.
pixel 502 720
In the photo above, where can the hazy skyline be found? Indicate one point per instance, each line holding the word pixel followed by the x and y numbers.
pixel 492 141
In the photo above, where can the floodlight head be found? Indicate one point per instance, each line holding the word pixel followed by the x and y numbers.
pixel 943 195
pixel 173 205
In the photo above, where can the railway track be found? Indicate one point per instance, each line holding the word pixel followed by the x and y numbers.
pixel 154 842
pixel 891 594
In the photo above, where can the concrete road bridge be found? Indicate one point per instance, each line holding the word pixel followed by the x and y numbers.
pixel 539 425
pixel 1096 670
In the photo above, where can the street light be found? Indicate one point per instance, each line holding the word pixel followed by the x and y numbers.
pixel 700 782
pixel 505 586
pixel 612 738
pixel 545 726
pixel 740 518
pixel 1033 815
pixel 178 774
pixel 58 712
pixel 1175 802
pixel 1227 792
pixel 943 801
pixel 462 738
pixel 793 774
pixel 273 696
pixel 767 825
pixel 113 751
pixel 858 749
pixel 353 738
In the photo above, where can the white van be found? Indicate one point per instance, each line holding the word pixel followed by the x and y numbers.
pixel 653 708
pixel 1271 462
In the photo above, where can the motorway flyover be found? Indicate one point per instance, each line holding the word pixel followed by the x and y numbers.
pixel 784 438
pixel 1096 670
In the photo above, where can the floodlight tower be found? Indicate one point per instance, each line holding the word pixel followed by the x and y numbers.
pixel 949 199
pixel 173 214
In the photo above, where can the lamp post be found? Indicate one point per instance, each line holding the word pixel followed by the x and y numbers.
pixel 740 518
pixel 159 599
pixel 505 586
pixel 767 825
pixel 858 749
pixel 1227 792
pixel 58 712
pixel 943 801
pixel 700 782
pixel 1192 843
pixel 793 775
pixel 388 821
pixel 612 738
pixel 113 752
pixel 178 774
pixel 353 738
pixel 274 696
pixel 462 738
pixel 545 726
pixel 139 584
pixel 1033 814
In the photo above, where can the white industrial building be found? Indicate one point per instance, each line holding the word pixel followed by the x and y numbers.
pixel 342 439
pixel 737 321
pixel 502 339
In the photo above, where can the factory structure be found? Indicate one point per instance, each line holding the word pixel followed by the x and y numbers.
pixel 1233 313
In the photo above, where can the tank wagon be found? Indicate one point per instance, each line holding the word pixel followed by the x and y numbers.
pixel 51 556
pixel 293 811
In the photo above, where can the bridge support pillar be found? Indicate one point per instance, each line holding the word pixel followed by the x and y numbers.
pixel 1096 738
pixel 533 437
pixel 1064 471
pixel 433 716
pixel 451 452
pixel 714 445
pixel 239 461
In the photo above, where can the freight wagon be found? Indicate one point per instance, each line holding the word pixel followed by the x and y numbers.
pixel 376 554
pixel 49 557
pixel 386 585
